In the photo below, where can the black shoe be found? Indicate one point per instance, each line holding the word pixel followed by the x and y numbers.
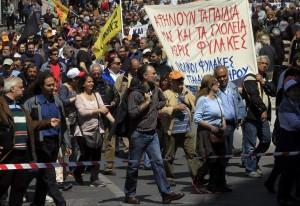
pixel 269 187
pixel 132 200
pixel 171 197
pixel 64 186
pixel 78 178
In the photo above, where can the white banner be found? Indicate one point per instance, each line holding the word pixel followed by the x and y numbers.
pixel 140 30
pixel 199 36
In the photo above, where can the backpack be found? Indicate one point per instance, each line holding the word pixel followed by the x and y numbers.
pixel 121 127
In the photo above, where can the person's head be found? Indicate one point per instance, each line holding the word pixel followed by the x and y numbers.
pixel 86 84
pixel 122 52
pixel 68 52
pixel 6 51
pixel 85 43
pixel 61 41
pixel 176 81
pixel 53 54
pixel 221 74
pixel 18 64
pixel 44 84
pixel 147 73
pixel 296 60
pixel 48 11
pixel 262 63
pixel 78 40
pixel 74 74
pixel 96 71
pixel 134 65
pixel 292 89
pixel 21 49
pixel 13 87
pixel 8 65
pixel 156 55
pixel 209 84
pixel 115 64
pixel 164 82
pixel 143 43
pixel 31 72
pixel 30 48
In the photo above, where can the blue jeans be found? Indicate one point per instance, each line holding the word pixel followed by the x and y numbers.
pixel 228 135
pixel 147 163
pixel 149 143
pixel 251 130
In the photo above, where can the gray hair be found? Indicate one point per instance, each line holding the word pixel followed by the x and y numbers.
pixel 217 68
pixel 261 57
pixel 10 82
pixel 95 65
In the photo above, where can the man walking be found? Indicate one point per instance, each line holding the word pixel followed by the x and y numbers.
pixel 143 104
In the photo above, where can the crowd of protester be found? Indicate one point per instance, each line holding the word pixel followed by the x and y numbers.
pixel 59 102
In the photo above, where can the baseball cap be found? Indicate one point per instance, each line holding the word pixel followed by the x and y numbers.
pixel 8 61
pixel 290 83
pixel 74 72
pixel 175 75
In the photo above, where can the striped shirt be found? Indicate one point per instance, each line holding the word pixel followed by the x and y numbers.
pixel 181 119
pixel 21 135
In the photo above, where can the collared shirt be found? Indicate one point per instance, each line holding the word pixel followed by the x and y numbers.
pixel 49 110
pixel 181 118
pixel 227 102
pixel 113 75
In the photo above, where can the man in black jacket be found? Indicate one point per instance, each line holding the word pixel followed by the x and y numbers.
pixel 111 99
pixel 257 92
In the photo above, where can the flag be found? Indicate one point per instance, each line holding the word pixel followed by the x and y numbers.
pixel 111 28
pixel 31 28
pixel 61 10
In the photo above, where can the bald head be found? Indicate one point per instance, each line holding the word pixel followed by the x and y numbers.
pixel 221 74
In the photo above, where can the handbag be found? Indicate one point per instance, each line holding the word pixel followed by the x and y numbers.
pixel 95 141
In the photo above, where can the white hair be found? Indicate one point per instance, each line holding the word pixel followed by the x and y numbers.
pixel 96 65
pixel 10 82
pixel 261 57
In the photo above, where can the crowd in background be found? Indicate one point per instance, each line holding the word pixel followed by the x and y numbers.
pixel 59 102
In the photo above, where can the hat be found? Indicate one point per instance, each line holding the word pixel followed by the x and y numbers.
pixel 146 50
pixel 51 33
pixel 74 72
pixel 175 75
pixel 290 83
pixel 17 55
pixel 8 61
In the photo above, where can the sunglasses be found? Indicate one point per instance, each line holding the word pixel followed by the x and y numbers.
pixel 117 63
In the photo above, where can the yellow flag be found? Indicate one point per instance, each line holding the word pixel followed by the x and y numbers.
pixel 61 10
pixel 111 28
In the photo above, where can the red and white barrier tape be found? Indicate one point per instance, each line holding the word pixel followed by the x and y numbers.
pixel 28 166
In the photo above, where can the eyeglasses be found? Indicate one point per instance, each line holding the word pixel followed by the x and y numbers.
pixel 54 54
pixel 78 40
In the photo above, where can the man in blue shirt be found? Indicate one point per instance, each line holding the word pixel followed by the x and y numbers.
pixel 45 105
pixel 232 103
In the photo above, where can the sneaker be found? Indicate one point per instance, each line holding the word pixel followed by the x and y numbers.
pixel 253 174
pixel 49 199
pixel 258 170
pixel 98 183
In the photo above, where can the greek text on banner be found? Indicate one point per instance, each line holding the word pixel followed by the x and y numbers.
pixel 199 36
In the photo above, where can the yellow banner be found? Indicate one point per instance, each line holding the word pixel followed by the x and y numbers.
pixel 62 10
pixel 111 28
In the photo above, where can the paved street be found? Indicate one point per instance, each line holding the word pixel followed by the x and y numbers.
pixel 246 191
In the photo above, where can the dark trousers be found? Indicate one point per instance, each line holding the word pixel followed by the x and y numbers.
pixel 288 142
pixel 18 180
pixel 11 22
pixel 88 154
pixel 217 166
pixel 47 151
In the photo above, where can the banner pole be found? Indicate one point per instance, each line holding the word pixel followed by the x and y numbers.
pixel 122 19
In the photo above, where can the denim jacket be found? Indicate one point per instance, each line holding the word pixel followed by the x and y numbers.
pixel 239 105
